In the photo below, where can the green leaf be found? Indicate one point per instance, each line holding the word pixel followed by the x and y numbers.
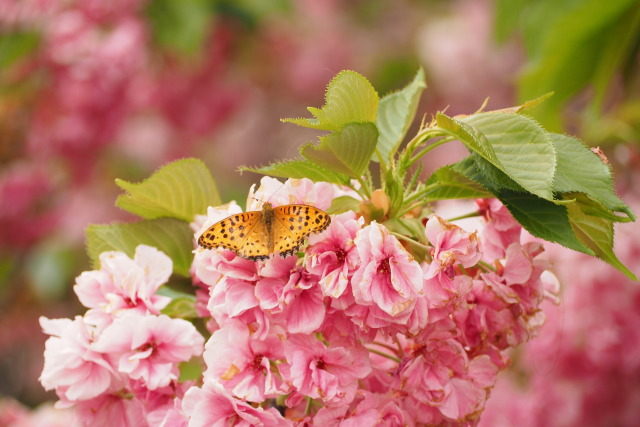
pixel 191 370
pixel 343 204
pixel 181 189
pixel 542 218
pixel 581 170
pixel 299 169
pixel 350 98
pixel 15 45
pixel 524 150
pixel 595 231
pixel 182 308
pixel 474 140
pixel 446 183
pixel 181 26
pixel 395 190
pixel 395 114
pixel 171 236
pixel 347 152
pixel 414 228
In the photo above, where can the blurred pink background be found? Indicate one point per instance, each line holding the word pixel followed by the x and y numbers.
pixel 91 91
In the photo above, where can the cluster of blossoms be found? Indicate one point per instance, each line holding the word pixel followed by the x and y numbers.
pixel 354 331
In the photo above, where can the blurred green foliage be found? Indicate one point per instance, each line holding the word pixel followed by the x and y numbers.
pixel 573 45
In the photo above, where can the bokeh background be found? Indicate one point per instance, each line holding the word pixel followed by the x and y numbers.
pixel 94 90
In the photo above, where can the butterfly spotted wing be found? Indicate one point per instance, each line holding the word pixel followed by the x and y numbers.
pixel 256 235
pixel 245 234
pixel 294 223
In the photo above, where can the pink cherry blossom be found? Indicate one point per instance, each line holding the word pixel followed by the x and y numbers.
pixel 500 229
pixel 115 408
pixel 439 375
pixel 388 277
pixel 321 372
pixel 332 254
pixel 368 409
pixel 293 191
pixel 452 246
pixel 124 284
pixel 213 406
pixel 241 363
pixel 291 295
pixel 506 304
pixel 149 347
pixel 71 366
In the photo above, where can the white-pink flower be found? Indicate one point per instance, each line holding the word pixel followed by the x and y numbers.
pixel 297 191
pixel 213 406
pixel 71 366
pixel 124 284
pixel 388 276
pixel 149 348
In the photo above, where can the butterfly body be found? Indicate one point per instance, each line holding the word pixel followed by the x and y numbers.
pixel 256 235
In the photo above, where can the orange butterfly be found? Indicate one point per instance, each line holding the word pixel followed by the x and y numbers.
pixel 258 234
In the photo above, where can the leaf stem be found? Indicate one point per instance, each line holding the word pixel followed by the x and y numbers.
pixel 428 148
pixel 468 215
pixel 388 356
pixel 486 267
pixel 410 240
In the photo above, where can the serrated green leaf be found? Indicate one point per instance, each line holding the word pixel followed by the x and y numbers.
pixel 446 183
pixel 396 112
pixel 524 150
pixel 595 232
pixel 542 218
pixel 474 140
pixel 347 152
pixel 581 170
pixel 171 236
pixel 299 169
pixel 343 204
pixel 350 98
pixel 181 189
pixel 182 308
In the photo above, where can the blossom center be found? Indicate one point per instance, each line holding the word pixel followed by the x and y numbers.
pixel 146 346
pixel 341 255
pixel 321 365
pixel 256 366
pixel 383 267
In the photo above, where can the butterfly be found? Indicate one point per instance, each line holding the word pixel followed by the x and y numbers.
pixel 256 235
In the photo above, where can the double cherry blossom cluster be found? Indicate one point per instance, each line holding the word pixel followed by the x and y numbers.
pixel 355 331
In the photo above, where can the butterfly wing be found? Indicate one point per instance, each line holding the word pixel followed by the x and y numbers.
pixel 293 223
pixel 243 233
